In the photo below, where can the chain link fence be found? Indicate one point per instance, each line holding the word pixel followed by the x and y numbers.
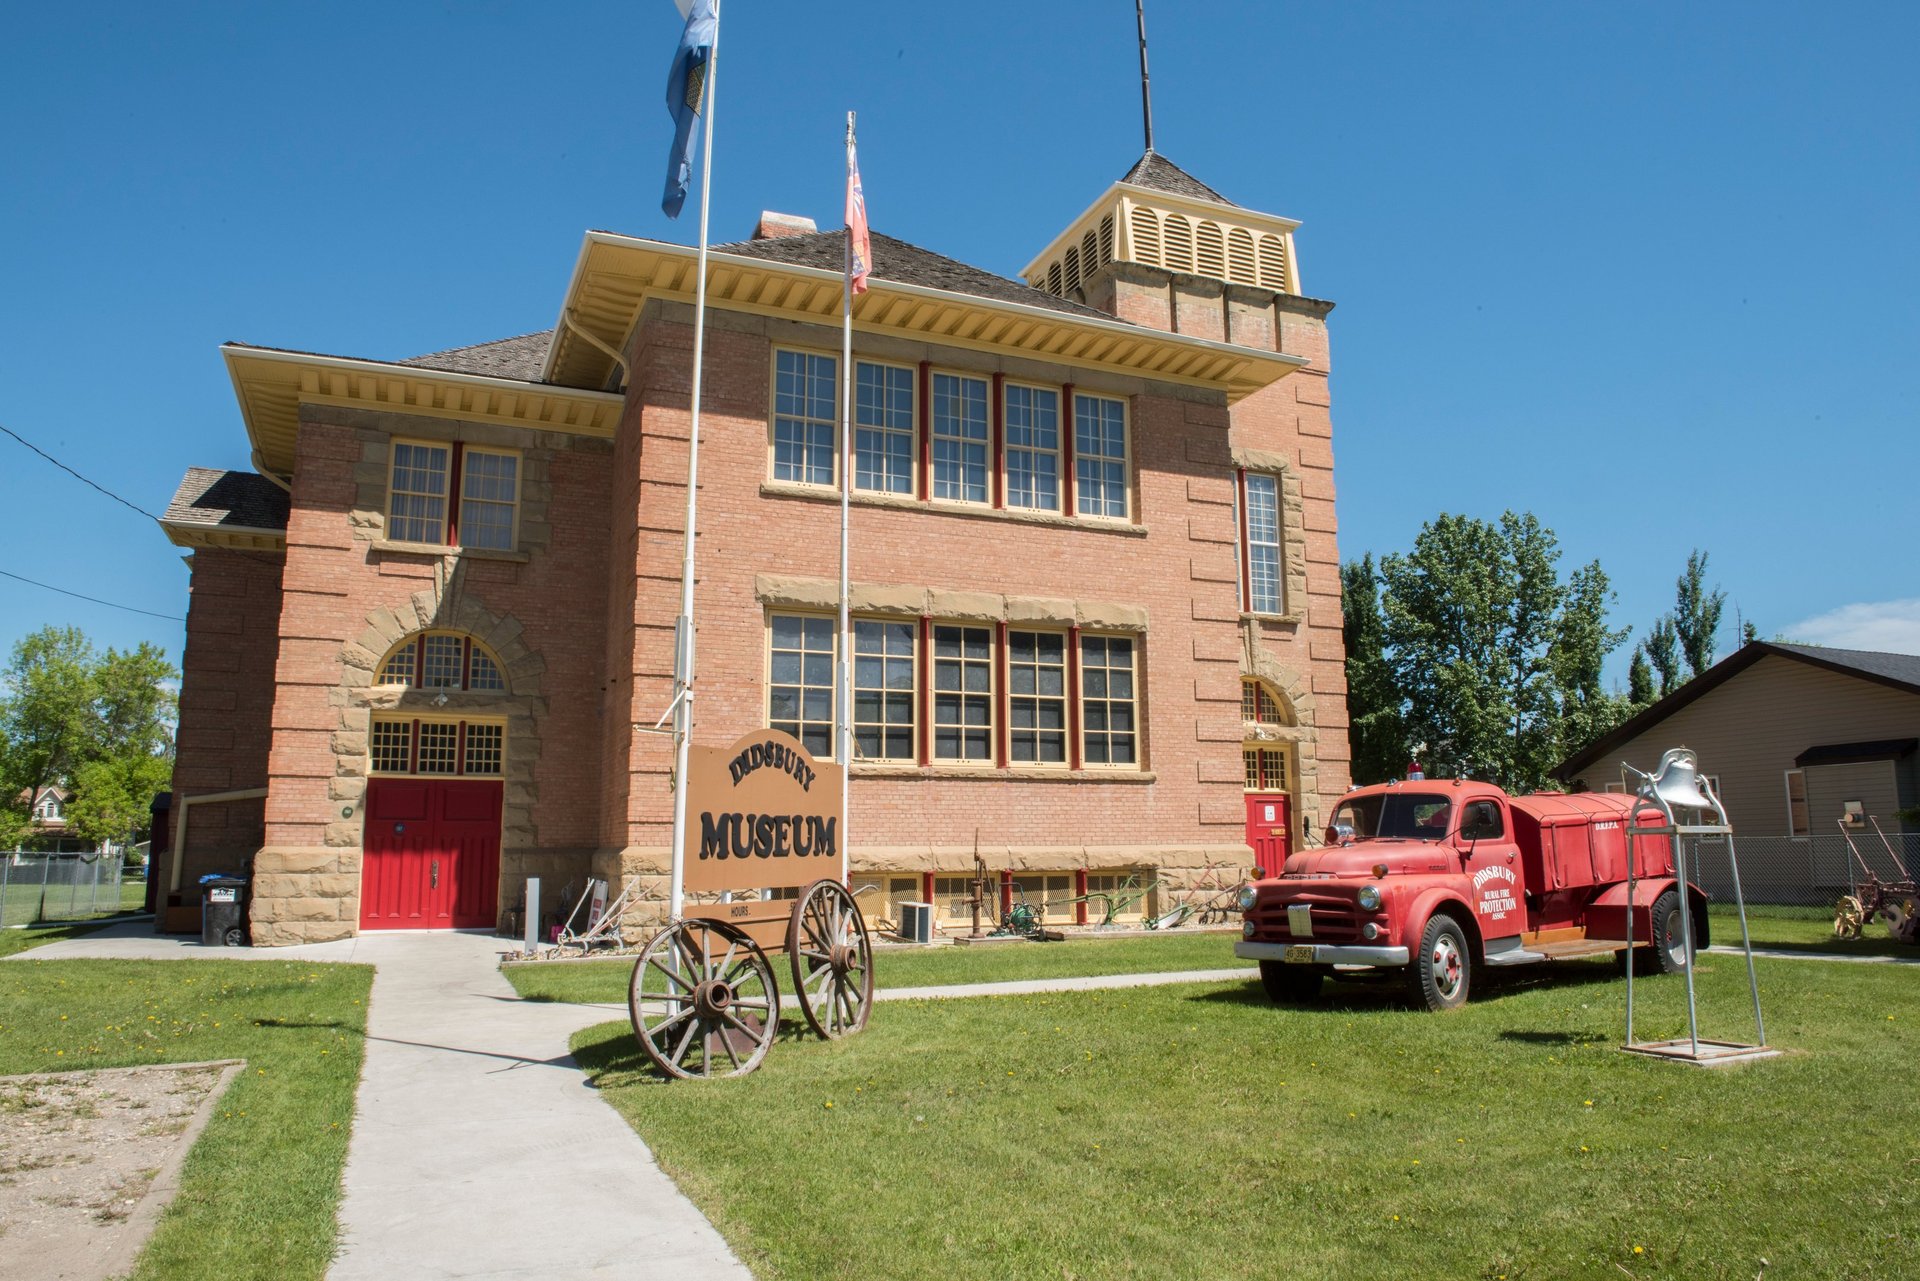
pixel 1813 871
pixel 36 888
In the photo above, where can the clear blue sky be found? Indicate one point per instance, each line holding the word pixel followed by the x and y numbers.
pixel 1648 270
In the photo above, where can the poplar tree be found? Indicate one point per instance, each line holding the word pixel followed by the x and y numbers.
pixel 1663 651
pixel 1696 613
pixel 1640 691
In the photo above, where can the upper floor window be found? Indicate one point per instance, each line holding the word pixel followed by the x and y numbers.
pixel 49 807
pixel 1100 456
pixel 882 428
pixel 803 417
pixel 960 438
pixel 423 477
pixel 1033 447
pixel 442 660
pixel 1260 543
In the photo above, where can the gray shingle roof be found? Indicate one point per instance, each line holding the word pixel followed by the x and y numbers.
pixel 1156 171
pixel 1901 669
pixel 906 264
pixel 220 499
pixel 516 358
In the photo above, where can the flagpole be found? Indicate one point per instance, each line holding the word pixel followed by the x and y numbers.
pixel 843 747
pixel 683 626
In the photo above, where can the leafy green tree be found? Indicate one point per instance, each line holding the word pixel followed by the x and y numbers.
pixel 99 724
pixel 1696 613
pixel 1499 659
pixel 1640 691
pixel 1377 725
pixel 1663 651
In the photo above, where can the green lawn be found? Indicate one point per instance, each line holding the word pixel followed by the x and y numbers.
pixel 1802 929
pixel 259 1191
pixel 1198 1131
pixel 926 967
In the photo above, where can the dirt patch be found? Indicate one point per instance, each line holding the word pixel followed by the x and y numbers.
pixel 89 1159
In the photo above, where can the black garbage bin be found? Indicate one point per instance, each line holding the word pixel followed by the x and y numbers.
pixel 223 911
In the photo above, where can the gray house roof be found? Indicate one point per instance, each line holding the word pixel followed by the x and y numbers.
pixel 1896 671
pixel 216 499
pixel 518 358
pixel 906 264
pixel 1156 171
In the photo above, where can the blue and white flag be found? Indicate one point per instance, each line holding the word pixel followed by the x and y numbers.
pixel 686 96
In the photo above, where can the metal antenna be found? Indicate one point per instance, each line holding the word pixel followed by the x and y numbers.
pixel 1146 94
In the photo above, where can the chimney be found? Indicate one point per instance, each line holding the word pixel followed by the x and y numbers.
pixel 773 226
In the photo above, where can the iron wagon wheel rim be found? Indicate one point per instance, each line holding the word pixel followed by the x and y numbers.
pixel 703 1001
pixel 832 959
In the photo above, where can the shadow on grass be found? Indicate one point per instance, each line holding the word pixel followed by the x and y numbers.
pixel 1384 989
pixel 613 1057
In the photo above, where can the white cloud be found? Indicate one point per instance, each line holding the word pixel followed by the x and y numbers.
pixel 1891 626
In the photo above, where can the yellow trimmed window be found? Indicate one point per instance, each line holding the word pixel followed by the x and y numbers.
pixel 1037 698
pixel 1109 733
pixel 1100 456
pixel 442 660
pixel 425 473
pixel 399 744
pixel 804 417
pixel 1033 447
pixel 800 680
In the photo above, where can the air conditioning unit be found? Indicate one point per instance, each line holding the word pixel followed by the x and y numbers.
pixel 916 922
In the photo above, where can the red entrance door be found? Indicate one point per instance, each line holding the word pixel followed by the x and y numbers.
pixel 1270 829
pixel 432 854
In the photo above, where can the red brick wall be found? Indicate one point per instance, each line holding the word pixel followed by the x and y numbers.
pixel 226 705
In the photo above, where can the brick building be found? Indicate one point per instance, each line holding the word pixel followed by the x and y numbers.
pixel 1095 577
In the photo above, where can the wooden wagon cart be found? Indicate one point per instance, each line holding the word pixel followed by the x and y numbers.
pixel 764 869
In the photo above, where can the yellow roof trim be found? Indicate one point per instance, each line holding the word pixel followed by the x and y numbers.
pixel 272 385
pixel 616 275
pixel 243 538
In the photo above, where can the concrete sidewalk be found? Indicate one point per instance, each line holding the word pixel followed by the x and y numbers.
pixel 478 1149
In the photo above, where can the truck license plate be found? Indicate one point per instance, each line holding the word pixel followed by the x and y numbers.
pixel 1300 954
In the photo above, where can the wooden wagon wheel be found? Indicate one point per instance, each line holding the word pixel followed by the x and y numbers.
pixel 832 959
pixel 703 1000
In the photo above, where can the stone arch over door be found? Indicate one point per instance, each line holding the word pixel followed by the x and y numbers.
pixel 522 706
pixel 1298 702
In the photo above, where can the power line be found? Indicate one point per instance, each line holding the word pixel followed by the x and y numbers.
pixel 83 480
pixel 172 618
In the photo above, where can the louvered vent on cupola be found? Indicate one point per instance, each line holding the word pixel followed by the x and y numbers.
pixel 1241 248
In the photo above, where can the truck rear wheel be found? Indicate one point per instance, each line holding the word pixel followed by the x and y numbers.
pixel 1669 939
pixel 1291 984
pixel 1441 970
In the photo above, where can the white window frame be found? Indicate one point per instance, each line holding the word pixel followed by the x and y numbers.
pixel 886 432
pixel 434 532
pixel 799 724
pixel 1102 459
pixel 1256 602
pixel 1806 807
pixel 963 445
pixel 1034 393
pixel 1135 731
pixel 808 423
pixel 511 502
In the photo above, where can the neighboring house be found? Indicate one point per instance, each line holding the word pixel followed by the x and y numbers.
pixel 47 829
pixel 1095 576
pixel 1795 738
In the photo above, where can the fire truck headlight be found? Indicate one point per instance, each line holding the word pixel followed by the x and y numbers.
pixel 1246 929
pixel 1248 897
pixel 1370 898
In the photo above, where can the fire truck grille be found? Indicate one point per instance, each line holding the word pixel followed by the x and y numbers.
pixel 1332 923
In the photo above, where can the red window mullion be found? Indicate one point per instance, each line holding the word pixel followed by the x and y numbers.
pixel 1067 427
pixel 926 430
pixel 1006 892
pixel 420 662
pixel 1246 550
pixel 1073 698
pixel 926 697
pixel 466 660
pixel 413 750
pixel 999 429
pixel 453 494
pixel 926 886
pixel 1003 699
pixel 460 749
pixel 1080 897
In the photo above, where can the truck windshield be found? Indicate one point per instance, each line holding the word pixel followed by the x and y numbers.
pixel 1412 816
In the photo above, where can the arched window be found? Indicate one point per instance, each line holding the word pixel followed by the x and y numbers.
pixel 443 660
pixel 1260 704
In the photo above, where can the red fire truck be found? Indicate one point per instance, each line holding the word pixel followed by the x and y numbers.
pixel 1441 877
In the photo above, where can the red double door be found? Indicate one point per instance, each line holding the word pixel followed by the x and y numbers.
pixel 432 854
pixel 1270 829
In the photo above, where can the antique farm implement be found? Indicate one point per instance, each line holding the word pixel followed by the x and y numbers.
pixel 764 869
pixel 1896 902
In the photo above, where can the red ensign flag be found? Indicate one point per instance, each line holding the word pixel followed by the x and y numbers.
pixel 860 253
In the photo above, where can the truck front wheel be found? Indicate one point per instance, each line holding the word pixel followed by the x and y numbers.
pixel 1438 977
pixel 1291 984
